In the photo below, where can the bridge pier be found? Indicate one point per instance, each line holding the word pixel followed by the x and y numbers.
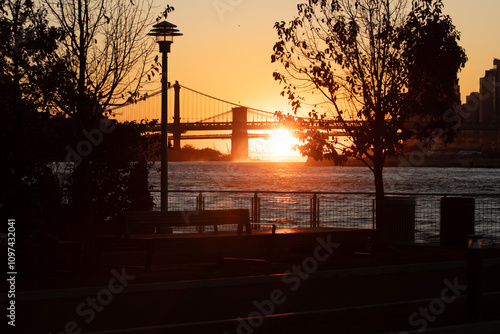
pixel 239 136
pixel 177 118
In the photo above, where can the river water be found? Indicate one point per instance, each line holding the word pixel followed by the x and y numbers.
pixel 295 176
pixel 284 193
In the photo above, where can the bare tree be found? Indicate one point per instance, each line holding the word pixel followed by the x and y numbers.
pixel 107 51
pixel 106 47
pixel 371 67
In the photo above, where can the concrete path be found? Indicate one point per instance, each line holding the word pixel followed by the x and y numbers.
pixel 362 300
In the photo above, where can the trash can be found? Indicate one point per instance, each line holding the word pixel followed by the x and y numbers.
pixel 399 225
pixel 457 220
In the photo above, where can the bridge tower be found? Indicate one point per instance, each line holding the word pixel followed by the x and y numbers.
pixel 239 136
pixel 177 118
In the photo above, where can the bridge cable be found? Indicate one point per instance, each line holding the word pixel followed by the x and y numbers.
pixel 225 101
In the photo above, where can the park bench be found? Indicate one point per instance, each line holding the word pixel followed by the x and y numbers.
pixel 161 222
pixel 154 232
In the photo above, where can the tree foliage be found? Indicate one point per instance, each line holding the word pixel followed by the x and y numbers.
pixel 27 57
pixel 385 70
pixel 119 173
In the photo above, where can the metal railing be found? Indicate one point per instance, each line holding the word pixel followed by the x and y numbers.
pixel 335 209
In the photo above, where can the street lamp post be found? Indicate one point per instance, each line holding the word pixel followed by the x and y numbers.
pixel 164 33
pixel 474 277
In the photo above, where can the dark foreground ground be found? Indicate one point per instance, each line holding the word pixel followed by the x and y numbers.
pixel 399 290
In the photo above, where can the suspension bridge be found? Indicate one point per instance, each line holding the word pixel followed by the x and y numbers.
pixel 204 117
pixel 196 115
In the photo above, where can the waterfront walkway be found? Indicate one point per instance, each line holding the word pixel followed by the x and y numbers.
pixel 335 294
pixel 186 248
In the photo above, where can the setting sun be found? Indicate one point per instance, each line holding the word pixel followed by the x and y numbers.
pixel 278 147
pixel 282 142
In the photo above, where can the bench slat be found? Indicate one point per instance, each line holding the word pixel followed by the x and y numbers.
pixel 146 222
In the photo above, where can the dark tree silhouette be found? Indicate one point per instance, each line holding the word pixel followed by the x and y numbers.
pixel 383 64
pixel 57 84
pixel 27 56
pixel 107 51
pixel 107 54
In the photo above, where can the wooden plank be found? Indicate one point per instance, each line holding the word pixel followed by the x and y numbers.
pixel 148 222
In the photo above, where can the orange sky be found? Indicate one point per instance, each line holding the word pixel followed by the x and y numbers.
pixel 227 46
pixel 226 52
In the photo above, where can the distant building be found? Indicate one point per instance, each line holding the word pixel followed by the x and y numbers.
pixel 481 114
pixel 489 109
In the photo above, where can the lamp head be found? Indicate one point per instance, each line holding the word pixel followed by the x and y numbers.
pixel 164 33
pixel 474 241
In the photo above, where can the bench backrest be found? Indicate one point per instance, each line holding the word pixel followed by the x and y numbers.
pixel 147 222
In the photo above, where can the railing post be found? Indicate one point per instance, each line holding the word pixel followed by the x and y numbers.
pixel 311 213
pixel 314 211
pixel 474 278
pixel 256 209
pixel 200 207
pixel 199 202
pixel 317 211
pixel 252 210
pixel 374 212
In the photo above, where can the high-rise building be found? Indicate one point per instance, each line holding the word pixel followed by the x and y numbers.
pixel 489 93
pixel 481 114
